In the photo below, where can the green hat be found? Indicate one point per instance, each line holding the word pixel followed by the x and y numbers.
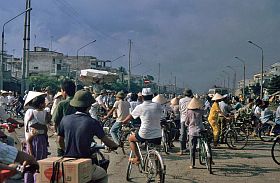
pixel 82 98
pixel 120 95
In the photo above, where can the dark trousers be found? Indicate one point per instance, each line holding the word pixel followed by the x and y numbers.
pixel 193 140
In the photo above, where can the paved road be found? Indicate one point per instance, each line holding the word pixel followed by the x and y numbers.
pixel 253 164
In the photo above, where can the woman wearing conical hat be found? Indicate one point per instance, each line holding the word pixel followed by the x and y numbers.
pixel 195 126
pixel 215 111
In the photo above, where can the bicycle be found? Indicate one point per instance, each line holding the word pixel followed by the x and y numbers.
pixel 205 151
pixel 124 132
pixel 237 135
pixel 275 150
pixel 168 133
pixel 151 164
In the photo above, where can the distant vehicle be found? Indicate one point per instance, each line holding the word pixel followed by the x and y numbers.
pixel 221 91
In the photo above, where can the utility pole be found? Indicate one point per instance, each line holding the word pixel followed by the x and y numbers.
pixel 175 85
pixel 129 65
pixel 158 77
pixel 26 47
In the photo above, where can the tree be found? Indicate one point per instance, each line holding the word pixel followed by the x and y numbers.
pixel 274 85
pixel 42 81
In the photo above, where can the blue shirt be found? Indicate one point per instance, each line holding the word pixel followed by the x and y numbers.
pixel 78 131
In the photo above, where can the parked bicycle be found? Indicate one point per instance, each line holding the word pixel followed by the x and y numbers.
pixel 205 152
pixel 151 164
pixel 169 133
pixel 275 150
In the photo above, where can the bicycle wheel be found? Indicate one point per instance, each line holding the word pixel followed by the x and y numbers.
pixel 275 151
pixel 201 153
pixel 208 157
pixel 264 133
pixel 164 140
pixel 236 139
pixel 154 167
pixel 129 167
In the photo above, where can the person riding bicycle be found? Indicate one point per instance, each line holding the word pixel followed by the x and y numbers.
pixel 266 117
pixel 150 129
pixel 122 108
pixel 76 132
pixel 194 122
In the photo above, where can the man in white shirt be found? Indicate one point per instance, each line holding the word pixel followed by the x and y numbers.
pixel 150 129
pixel 183 103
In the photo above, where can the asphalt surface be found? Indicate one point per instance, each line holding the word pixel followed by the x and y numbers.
pixel 253 164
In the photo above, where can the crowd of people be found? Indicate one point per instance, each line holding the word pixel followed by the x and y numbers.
pixel 77 116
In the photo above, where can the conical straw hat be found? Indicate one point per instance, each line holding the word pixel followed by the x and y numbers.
pixel 174 101
pixel 160 99
pixel 31 95
pixel 217 96
pixel 195 103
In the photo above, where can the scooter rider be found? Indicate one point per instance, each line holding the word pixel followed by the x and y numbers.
pixel 76 132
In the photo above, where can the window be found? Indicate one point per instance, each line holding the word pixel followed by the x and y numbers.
pixel 58 67
pixel 36 68
pixel 53 61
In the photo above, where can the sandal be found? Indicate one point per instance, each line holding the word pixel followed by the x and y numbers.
pixel 134 160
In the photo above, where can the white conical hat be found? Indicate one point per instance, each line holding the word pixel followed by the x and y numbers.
pixel 195 103
pixel 174 101
pixel 160 99
pixel 31 95
pixel 217 96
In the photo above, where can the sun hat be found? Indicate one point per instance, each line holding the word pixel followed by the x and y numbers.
pixel 174 101
pixel 31 95
pixel 160 99
pixel 139 94
pixel 147 91
pixel 195 103
pixel 82 98
pixel 58 94
pixel 4 92
pixel 120 95
pixel 188 92
pixel 217 96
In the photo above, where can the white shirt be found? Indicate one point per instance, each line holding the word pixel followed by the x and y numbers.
pixel 38 117
pixel 94 110
pixel 122 108
pixel 149 113
pixel 99 99
pixel 183 104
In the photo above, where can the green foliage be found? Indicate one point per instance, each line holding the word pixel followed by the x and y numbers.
pixel 274 85
pixel 42 81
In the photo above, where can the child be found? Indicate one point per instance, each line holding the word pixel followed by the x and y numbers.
pixel 35 122
pixel 194 122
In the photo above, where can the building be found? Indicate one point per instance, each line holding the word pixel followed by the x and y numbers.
pixel 44 61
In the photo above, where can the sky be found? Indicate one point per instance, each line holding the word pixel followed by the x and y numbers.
pixel 193 40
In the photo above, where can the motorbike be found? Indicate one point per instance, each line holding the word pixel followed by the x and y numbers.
pixel 9 128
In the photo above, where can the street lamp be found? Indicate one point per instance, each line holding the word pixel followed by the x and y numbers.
pixel 117 59
pixel 261 92
pixel 234 78
pixel 244 71
pixel 228 77
pixel 78 59
pixel 2 46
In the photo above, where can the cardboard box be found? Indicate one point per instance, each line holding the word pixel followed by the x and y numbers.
pixel 75 170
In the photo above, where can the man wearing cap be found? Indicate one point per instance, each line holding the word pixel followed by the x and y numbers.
pixel 183 103
pixel 76 132
pixel 150 129
pixel 122 108
pixel 63 107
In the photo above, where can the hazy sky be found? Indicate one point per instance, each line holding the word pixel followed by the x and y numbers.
pixel 193 40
